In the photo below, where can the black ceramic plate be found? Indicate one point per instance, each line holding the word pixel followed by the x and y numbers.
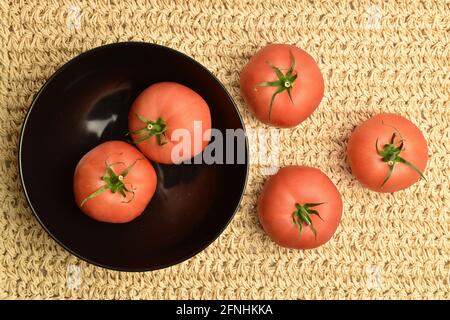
pixel 85 103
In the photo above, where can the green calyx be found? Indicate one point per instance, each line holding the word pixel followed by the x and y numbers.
pixel 391 155
pixel 156 128
pixel 302 215
pixel 113 182
pixel 285 82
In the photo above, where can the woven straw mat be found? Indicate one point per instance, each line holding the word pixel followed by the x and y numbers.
pixel 375 57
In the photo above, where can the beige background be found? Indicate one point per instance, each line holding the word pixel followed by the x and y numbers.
pixel 374 57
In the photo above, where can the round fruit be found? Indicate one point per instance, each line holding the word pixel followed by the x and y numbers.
pixel 282 85
pixel 300 207
pixel 114 182
pixel 170 123
pixel 387 153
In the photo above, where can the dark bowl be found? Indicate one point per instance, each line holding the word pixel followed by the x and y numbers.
pixel 85 103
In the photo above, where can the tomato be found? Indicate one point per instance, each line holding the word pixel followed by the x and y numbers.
pixel 282 85
pixel 114 182
pixel 300 207
pixel 387 153
pixel 162 111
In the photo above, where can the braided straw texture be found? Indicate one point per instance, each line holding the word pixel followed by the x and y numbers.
pixel 375 56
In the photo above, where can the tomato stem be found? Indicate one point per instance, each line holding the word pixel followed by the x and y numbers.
pixel 302 215
pixel 391 155
pixel 113 182
pixel 285 82
pixel 156 128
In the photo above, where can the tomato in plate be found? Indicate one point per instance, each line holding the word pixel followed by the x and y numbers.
pixel 170 123
pixel 300 207
pixel 387 153
pixel 114 182
pixel 282 85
